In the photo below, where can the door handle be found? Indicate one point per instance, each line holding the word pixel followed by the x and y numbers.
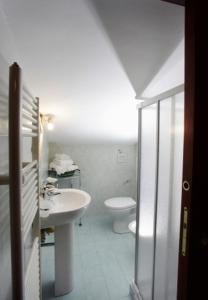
pixel 185 224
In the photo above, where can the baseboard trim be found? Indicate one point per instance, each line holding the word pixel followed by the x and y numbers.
pixel 134 292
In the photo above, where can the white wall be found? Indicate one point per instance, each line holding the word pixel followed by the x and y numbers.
pixel 9 54
pixel 43 158
pixel 102 176
pixel 6 57
pixel 44 152
pixel 170 75
pixel 7 47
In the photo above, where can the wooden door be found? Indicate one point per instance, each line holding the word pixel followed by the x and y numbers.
pixel 193 256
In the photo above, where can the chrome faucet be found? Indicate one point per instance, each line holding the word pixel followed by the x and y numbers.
pixel 48 190
pixel 52 193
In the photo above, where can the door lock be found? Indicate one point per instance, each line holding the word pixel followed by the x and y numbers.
pixel 186 185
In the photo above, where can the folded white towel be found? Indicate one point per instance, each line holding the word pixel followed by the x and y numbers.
pixel 51 180
pixel 62 156
pixel 65 162
pixel 62 169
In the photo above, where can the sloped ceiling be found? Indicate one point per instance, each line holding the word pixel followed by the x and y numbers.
pixel 87 59
pixel 143 33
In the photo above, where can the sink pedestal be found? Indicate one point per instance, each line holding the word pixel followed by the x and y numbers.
pixel 67 206
pixel 64 281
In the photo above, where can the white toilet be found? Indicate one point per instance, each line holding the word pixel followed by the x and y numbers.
pixel 132 227
pixel 123 211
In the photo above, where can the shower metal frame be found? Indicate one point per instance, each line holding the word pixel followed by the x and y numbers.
pixel 134 289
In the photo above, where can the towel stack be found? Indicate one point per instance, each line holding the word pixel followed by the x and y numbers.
pixel 63 163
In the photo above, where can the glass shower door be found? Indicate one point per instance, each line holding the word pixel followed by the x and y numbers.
pixel 144 276
pixel 159 206
pixel 169 197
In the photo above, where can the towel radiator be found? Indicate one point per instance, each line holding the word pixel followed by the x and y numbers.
pixel 24 188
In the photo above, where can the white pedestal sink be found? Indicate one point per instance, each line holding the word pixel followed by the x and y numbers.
pixel 65 208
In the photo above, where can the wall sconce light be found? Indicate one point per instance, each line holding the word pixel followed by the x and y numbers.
pixel 48 120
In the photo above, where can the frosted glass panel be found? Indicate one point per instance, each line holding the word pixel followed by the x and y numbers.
pixel 147 201
pixel 176 196
pixel 169 197
pixel 159 209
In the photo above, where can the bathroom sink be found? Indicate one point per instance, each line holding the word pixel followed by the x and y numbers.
pixel 65 207
pixel 61 211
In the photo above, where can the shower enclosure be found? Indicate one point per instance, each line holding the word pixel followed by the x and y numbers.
pixel 160 149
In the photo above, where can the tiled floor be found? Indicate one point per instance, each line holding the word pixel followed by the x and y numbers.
pixel 104 263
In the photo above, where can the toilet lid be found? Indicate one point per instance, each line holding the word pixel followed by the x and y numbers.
pixel 120 202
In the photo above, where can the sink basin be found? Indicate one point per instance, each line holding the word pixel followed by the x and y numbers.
pixel 61 211
pixel 65 207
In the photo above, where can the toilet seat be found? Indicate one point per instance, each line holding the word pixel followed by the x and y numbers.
pixel 120 203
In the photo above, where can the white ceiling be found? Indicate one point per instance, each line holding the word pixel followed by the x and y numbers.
pixel 87 60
